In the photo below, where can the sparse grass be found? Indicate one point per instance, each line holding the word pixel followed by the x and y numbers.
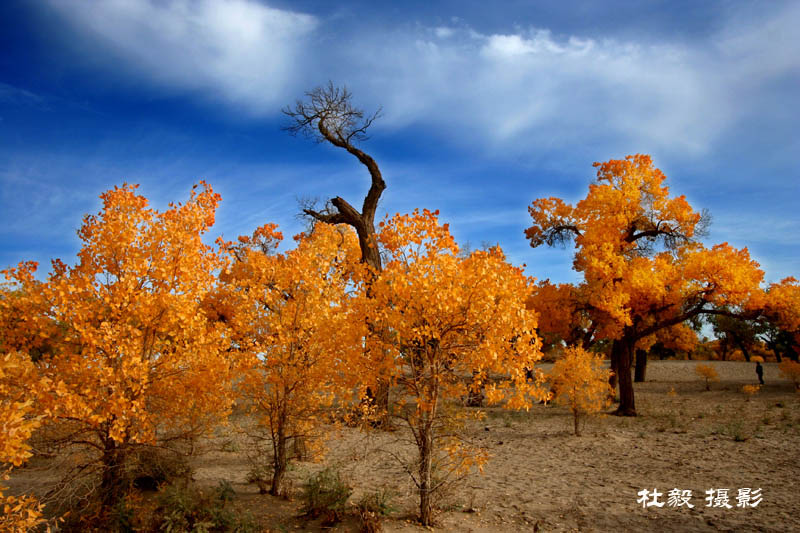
pixel 734 429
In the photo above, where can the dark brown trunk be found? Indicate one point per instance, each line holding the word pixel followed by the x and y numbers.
pixel 111 480
pixel 363 222
pixel 279 461
pixel 425 481
pixel 623 348
pixel 776 350
pixel 381 400
pixel 575 422
pixel 640 369
pixel 723 345
pixel 743 348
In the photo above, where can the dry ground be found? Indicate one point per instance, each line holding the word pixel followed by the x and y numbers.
pixel 541 476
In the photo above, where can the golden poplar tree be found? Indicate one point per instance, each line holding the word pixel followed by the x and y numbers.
pixel 293 331
pixel 643 268
pixel 445 318
pixel 132 360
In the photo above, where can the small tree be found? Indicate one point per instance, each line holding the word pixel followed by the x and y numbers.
pixel 292 331
pixel 707 373
pixel 443 317
pixel 791 370
pixel 750 390
pixel 580 381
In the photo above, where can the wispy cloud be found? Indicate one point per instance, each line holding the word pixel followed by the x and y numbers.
pixel 504 91
pixel 16 96
pixel 531 87
pixel 241 51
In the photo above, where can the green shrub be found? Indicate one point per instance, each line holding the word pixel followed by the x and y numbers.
pixel 379 502
pixel 261 475
pixel 325 494
pixel 186 509
pixel 372 507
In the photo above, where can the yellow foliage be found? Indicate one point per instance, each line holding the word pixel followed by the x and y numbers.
pixel 615 228
pixel 708 373
pixel 783 304
pixel 580 381
pixel 295 335
pixel 439 316
pixel 132 356
pixel 17 422
pixel 750 390
pixel 643 268
pixel 791 370
pixel 561 315
pixel 19 514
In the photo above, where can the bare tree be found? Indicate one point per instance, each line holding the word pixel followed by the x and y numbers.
pixel 327 115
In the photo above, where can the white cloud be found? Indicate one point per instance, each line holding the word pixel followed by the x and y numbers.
pixel 443 32
pixel 530 89
pixel 525 89
pixel 511 91
pixel 239 50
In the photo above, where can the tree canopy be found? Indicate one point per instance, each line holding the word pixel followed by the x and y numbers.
pixel 643 266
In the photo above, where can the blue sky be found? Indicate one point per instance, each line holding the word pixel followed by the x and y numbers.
pixel 486 107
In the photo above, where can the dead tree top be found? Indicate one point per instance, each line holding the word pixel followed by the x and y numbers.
pixel 328 115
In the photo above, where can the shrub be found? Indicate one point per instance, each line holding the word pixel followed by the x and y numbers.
pixel 707 373
pixel 261 475
pixel 378 502
pixel 791 370
pixel 750 390
pixel 186 508
pixel 325 494
pixel 148 468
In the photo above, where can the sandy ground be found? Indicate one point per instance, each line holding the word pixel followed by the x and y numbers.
pixel 541 477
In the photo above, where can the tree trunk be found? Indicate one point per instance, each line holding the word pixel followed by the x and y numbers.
pixel 640 369
pixel 612 379
pixel 425 481
pixel 723 346
pixel 279 461
pixel 110 481
pixel 743 348
pixel 382 403
pixel 623 348
pixel 575 422
pixel 331 102
pixel 776 350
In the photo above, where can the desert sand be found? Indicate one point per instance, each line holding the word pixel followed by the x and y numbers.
pixel 540 477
